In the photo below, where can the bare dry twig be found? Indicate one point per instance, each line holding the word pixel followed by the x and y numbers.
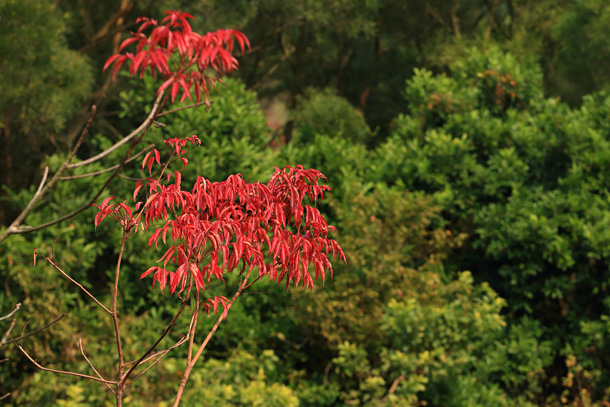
pixel 152 348
pixel 162 353
pixel 13 312
pixel 46 369
pixel 82 351
pixel 52 263
pixel 144 126
pixel 14 226
pixel 105 170
pixel 8 332
pixel 56 320
pixel 183 108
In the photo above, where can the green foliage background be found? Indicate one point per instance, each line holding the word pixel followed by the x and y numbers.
pixel 468 147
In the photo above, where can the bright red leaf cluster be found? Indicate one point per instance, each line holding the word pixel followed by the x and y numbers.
pixel 216 227
pixel 119 211
pixel 179 55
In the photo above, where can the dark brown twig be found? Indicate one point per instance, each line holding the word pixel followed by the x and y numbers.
pixel 162 353
pixel 191 362
pixel 14 227
pixel 152 348
pixel 105 170
pixel 13 312
pixel 82 351
pixel 8 332
pixel 182 108
pixel 77 284
pixel 56 320
pixel 141 128
pixel 46 369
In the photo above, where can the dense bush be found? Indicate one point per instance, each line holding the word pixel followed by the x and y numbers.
pixel 523 176
pixel 324 112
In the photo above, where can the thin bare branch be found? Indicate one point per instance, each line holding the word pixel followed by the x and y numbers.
pixel 182 108
pixel 455 21
pixel 46 369
pixel 92 200
pixel 191 363
pixel 82 351
pixel 395 384
pixel 115 320
pixel 52 263
pixel 255 280
pixel 44 179
pixel 130 178
pixel 193 329
pixel 14 227
pixel 124 9
pixel 154 354
pixel 13 312
pixel 8 332
pixel 56 320
pixel 144 126
pixel 5 396
pixel 162 353
pixel 114 167
pixel 152 348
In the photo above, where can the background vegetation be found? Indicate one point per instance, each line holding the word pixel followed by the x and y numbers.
pixel 468 146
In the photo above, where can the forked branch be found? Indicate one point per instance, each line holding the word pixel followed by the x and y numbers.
pixel 46 369
pixel 43 189
pixel 191 361
pixel 56 320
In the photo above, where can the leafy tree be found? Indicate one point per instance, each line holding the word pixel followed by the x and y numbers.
pixel 43 84
pixel 509 167
pixel 323 112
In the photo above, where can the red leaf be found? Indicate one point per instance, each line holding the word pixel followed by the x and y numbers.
pixel 145 159
pixel 242 40
pixel 185 87
pixel 157 156
pixel 128 42
pixel 165 85
pixel 151 161
pixel 110 60
pixel 105 201
pixel 118 65
pixel 154 238
pixel 126 208
pixel 178 180
pixel 137 189
pixel 174 91
pixel 137 62
pixel 147 272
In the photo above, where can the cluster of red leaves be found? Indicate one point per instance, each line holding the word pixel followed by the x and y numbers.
pixel 119 211
pixel 194 54
pixel 216 227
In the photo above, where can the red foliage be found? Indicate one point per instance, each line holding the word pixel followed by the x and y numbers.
pixel 179 55
pixel 215 227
